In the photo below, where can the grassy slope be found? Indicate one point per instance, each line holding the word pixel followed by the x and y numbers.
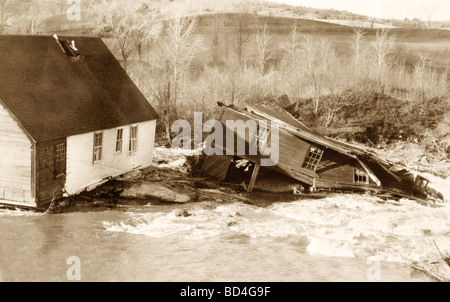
pixel 433 43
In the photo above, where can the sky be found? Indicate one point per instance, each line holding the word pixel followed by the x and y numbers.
pixel 390 9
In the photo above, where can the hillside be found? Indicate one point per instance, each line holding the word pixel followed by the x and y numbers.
pixel 226 65
pixel 50 15
pixel 410 42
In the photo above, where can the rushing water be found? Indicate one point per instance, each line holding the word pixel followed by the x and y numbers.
pixel 306 240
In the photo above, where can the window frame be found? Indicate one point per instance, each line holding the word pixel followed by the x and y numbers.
pixel 119 140
pixel 360 176
pixel 263 139
pixel 59 163
pixel 133 139
pixel 421 183
pixel 99 147
pixel 260 141
pixel 312 158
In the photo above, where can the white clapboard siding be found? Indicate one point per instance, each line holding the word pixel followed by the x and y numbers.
pixel 15 162
pixel 82 173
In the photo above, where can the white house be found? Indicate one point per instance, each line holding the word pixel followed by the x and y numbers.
pixel 70 118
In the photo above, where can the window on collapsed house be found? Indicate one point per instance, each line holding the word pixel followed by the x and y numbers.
pixel 119 140
pixel 260 139
pixel 60 159
pixel 133 139
pixel 312 158
pixel 424 184
pixel 421 182
pixel 98 144
pixel 361 176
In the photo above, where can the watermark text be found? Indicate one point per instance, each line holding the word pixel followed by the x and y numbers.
pixel 251 137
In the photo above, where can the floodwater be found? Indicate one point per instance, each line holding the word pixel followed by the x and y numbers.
pixel 340 238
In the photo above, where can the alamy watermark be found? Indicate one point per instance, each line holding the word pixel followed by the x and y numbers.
pixel 74 10
pixel 374 271
pixel 256 137
pixel 73 273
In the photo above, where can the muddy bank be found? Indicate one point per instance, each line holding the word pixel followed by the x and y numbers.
pixel 158 185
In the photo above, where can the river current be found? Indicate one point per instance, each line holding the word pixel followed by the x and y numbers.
pixel 339 238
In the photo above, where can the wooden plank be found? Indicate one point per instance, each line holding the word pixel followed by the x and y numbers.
pixel 216 166
pixel 329 184
pixel 253 179
pixel 300 175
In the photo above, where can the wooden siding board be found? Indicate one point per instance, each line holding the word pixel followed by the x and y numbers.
pixel 82 173
pixel 216 166
pixel 335 168
pixel 299 175
pixel 15 161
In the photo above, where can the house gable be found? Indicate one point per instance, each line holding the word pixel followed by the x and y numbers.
pixel 16 165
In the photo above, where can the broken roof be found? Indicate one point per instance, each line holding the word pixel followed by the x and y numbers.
pixel 295 127
pixel 53 95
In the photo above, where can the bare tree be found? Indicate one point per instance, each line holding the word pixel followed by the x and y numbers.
pixel 149 29
pixel 7 9
pixel 215 41
pixel 58 6
pixel 309 56
pixel 179 46
pixel 429 10
pixel 291 47
pixel 32 17
pixel 241 10
pixel 357 38
pixel 262 40
pixel 292 44
pixel 126 25
pixel 317 61
pixel 233 77
pixel 382 47
pixel 62 5
pixel 422 72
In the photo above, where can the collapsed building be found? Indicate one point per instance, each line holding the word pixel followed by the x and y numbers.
pixel 317 162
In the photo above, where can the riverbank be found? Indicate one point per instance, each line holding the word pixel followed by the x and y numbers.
pixel 169 180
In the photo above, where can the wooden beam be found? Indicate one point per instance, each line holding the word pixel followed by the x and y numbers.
pixel 398 179
pixel 369 172
pixel 253 179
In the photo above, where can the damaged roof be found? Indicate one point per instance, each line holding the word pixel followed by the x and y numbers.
pixel 54 94
pixel 295 127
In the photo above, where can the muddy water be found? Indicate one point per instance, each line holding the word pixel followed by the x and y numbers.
pixel 306 240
